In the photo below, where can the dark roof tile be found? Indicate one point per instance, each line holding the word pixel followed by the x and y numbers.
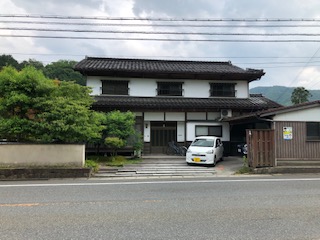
pixel 166 68
pixel 182 104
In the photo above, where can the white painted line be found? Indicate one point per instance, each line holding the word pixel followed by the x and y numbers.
pixel 158 182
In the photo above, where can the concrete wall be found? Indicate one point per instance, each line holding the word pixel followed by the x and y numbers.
pixel 14 154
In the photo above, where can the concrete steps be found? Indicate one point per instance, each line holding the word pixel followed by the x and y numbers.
pixel 156 166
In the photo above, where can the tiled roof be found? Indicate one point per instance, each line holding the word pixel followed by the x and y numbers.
pixel 174 69
pixel 182 104
pixel 273 111
pixel 285 109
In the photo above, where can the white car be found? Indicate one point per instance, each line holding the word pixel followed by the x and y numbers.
pixel 205 150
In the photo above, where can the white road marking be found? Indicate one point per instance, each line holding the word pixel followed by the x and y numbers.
pixel 158 182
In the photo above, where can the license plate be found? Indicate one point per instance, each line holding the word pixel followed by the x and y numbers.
pixel 196 160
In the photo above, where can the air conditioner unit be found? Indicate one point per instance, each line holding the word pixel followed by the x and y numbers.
pixel 226 113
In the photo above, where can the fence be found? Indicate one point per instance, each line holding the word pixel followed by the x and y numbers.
pixel 261 151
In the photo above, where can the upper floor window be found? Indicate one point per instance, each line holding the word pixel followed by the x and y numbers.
pixel 169 89
pixel 115 87
pixel 313 130
pixel 222 90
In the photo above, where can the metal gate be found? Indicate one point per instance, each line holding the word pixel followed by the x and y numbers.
pixel 161 134
pixel 261 150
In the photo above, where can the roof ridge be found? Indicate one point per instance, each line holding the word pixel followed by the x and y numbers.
pixel 156 60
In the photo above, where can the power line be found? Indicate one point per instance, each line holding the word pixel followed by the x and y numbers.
pixel 162 19
pixel 167 56
pixel 163 39
pixel 300 72
pixel 160 25
pixel 159 33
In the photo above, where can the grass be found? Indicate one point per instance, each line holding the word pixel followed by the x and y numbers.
pixel 92 164
pixel 245 169
pixel 116 161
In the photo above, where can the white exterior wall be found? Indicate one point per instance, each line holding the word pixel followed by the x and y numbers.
pixel 196 89
pixel 148 87
pixel 304 115
pixel 175 116
pixel 95 84
pixel 143 87
pixel 180 132
pixel 242 89
pixel 146 136
pixel 154 116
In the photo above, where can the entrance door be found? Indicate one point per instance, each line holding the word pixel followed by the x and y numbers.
pixel 161 134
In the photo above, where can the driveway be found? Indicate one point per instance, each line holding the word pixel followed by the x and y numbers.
pixel 171 167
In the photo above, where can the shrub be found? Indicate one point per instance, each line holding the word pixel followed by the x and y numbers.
pixel 114 143
pixel 92 164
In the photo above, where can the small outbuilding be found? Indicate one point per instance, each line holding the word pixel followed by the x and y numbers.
pixel 293 138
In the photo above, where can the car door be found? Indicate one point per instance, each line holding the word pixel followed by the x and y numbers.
pixel 218 148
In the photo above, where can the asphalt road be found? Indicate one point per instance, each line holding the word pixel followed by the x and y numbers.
pixel 230 208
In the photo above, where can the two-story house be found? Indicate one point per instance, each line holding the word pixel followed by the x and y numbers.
pixel 173 100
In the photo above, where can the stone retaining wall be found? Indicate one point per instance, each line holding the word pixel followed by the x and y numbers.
pixel 21 154
pixel 22 173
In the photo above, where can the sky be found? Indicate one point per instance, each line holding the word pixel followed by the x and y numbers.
pixel 287 63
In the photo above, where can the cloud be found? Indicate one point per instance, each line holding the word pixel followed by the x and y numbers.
pixel 58 7
pixel 309 78
pixel 282 62
pixel 177 8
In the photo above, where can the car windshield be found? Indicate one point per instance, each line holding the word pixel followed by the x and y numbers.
pixel 203 143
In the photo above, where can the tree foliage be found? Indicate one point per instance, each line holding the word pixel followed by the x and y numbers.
pixel 61 70
pixel 32 62
pixel 114 143
pixel 119 124
pixel 8 60
pixel 35 108
pixel 300 95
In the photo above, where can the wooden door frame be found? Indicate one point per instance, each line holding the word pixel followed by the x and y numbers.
pixel 162 148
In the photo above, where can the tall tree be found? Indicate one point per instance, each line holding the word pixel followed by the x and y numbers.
pixel 8 60
pixel 32 62
pixel 37 109
pixel 63 71
pixel 300 95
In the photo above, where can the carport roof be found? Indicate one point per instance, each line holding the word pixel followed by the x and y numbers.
pixel 274 111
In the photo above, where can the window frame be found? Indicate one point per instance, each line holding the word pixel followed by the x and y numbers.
pixel 224 91
pixel 208 131
pixel 161 90
pixel 313 129
pixel 118 87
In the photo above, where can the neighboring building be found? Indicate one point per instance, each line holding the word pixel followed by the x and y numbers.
pixel 295 140
pixel 174 100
